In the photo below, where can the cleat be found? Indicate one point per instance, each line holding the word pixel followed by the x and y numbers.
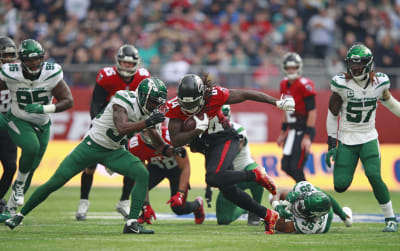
pixel 14 221
pixel 349 219
pixel 199 215
pixel 270 220
pixel 264 180
pixel 17 194
pixel 391 225
pixel 253 219
pixel 5 216
pixel 136 228
pixel 3 204
pixel 82 209
pixel 123 207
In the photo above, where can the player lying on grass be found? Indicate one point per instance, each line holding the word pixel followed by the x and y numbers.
pixel 175 168
pixel 307 210
pixel 127 113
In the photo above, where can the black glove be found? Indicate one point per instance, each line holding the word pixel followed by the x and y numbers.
pixel 331 143
pixel 208 196
pixel 180 151
pixel 155 118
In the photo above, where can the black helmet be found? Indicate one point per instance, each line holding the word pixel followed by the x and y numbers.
pixel 191 94
pixel 8 50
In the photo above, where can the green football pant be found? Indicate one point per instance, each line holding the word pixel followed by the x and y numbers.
pixel 88 153
pixel 345 165
pixel 226 211
pixel 32 139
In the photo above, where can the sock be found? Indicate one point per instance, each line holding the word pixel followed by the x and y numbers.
pixel 86 185
pixel 130 221
pixel 21 177
pixel 127 188
pixel 387 209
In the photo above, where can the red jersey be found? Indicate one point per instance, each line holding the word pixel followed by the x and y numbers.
pixel 217 121
pixel 298 90
pixel 146 153
pixel 111 81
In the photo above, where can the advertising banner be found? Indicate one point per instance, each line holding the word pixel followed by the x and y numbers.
pixel 267 155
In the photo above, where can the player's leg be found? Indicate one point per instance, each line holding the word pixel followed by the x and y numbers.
pixel 298 159
pixel 226 211
pixel 86 185
pixel 344 213
pixel 126 164
pixel 8 158
pixel 123 205
pixel 345 166
pixel 370 157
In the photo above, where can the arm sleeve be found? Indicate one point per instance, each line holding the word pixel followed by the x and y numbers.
pixel 309 102
pixel 332 124
pixel 99 100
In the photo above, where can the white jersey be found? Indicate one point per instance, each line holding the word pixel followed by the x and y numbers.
pixel 103 130
pixel 243 159
pixel 309 226
pixel 357 114
pixel 24 91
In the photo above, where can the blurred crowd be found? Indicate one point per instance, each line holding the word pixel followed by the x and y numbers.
pixel 228 35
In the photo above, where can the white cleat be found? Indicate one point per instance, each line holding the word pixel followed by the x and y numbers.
pixel 17 194
pixel 123 207
pixel 82 209
pixel 349 219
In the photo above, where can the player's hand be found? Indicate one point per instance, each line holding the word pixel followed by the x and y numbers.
pixel 281 138
pixel 283 212
pixel 180 152
pixel 34 108
pixel 208 196
pixel 147 214
pixel 292 196
pixel 329 154
pixel 155 118
pixel 201 124
pixel 306 143
pixel 286 104
pixel 177 200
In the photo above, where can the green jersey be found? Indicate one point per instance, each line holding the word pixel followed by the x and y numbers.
pixel 357 114
pixel 24 91
pixel 103 130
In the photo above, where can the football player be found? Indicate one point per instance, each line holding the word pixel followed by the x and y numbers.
pixel 126 114
pixel 32 84
pixel 307 210
pixel 298 127
pixel 125 75
pixel 219 142
pixel 226 211
pixel 355 96
pixel 8 150
pixel 176 169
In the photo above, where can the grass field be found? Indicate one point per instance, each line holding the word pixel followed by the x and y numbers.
pixel 52 226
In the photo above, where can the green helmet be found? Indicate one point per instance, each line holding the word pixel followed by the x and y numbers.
pixel 152 93
pixel 28 51
pixel 226 110
pixel 312 204
pixel 359 61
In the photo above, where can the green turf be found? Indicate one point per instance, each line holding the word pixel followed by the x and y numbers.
pixel 52 226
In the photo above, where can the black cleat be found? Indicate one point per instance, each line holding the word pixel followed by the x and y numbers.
pixel 14 221
pixel 136 228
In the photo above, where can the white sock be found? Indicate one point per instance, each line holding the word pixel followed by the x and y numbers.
pixel 130 221
pixel 21 177
pixel 387 209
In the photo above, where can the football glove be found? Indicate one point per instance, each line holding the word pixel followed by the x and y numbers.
pixel 177 200
pixel 331 151
pixel 180 152
pixel 201 124
pixel 283 212
pixel 286 104
pixel 34 108
pixel 292 196
pixel 155 118
pixel 147 214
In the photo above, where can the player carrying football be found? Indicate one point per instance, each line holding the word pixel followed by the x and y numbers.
pixel 355 98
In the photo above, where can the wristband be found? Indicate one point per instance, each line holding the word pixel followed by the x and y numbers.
pixel 49 108
pixel 164 150
pixel 310 131
pixel 284 126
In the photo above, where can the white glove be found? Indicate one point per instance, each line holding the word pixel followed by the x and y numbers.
pixel 201 124
pixel 286 104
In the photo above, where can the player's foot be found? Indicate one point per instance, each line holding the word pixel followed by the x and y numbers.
pixel 349 216
pixel 3 204
pixel 391 225
pixel 17 194
pixel 82 209
pixel 199 215
pixel 270 220
pixel 14 221
pixel 264 180
pixel 5 216
pixel 133 227
pixel 253 219
pixel 123 207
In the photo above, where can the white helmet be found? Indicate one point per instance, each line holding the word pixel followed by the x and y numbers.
pixel 292 59
pixel 127 53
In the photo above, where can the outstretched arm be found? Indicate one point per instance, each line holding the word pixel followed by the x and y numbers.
pixel 238 96
pixel 121 122
pixel 390 102
pixel 184 165
pixel 99 100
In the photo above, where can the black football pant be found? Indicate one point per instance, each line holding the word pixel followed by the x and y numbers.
pixel 293 164
pixel 8 158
